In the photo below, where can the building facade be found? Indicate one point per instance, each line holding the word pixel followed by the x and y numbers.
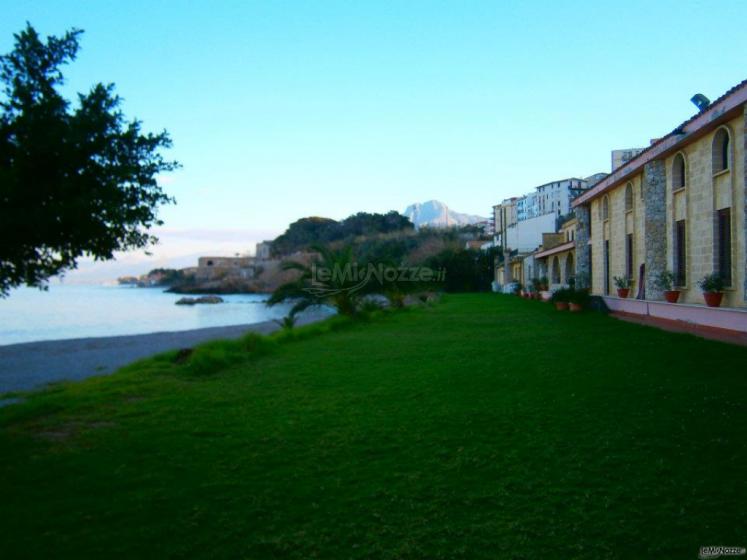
pixel 556 260
pixel 679 206
pixel 621 157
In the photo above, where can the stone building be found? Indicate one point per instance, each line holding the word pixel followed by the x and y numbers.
pixel 556 259
pixel 621 157
pixel 677 206
pixel 216 268
pixel 263 250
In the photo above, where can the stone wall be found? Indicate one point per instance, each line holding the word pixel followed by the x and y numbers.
pixel 583 250
pixel 655 219
pixel 704 193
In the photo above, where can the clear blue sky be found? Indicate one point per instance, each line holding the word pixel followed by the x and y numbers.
pixel 280 110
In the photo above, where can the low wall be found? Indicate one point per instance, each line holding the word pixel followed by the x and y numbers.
pixel 718 317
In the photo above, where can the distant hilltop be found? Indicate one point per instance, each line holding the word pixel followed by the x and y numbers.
pixel 436 214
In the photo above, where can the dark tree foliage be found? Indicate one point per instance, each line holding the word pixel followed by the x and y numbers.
pixel 74 180
pixel 306 232
pixel 466 270
pixel 303 233
pixel 364 223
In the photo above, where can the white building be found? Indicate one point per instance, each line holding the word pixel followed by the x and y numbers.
pixel 526 236
pixel 555 197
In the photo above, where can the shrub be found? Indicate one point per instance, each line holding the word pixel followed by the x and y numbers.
pixel 562 295
pixel 711 283
pixel 622 282
pixel 664 281
pixel 579 297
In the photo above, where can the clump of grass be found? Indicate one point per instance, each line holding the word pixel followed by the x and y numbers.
pixel 212 357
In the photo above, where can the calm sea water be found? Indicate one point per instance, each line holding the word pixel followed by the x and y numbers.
pixel 67 311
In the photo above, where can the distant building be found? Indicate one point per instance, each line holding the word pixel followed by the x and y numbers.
pixel 621 157
pixel 519 222
pixel 263 250
pixel 592 180
pixel 555 198
pixel 213 268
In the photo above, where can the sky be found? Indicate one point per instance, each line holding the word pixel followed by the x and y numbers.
pixel 280 110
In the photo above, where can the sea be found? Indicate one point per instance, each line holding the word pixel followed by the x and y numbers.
pixel 67 311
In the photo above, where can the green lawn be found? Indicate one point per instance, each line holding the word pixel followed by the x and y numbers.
pixel 483 427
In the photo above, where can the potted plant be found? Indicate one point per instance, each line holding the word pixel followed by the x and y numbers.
pixel 712 286
pixel 578 299
pixel 544 289
pixel 665 282
pixel 622 283
pixel 536 288
pixel 560 298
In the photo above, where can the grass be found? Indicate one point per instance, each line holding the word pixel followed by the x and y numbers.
pixel 483 427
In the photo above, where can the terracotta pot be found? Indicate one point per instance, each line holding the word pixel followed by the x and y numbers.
pixel 575 307
pixel 623 292
pixel 713 299
pixel 672 296
pixel 561 305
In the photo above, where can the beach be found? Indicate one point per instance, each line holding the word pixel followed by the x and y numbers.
pixel 32 365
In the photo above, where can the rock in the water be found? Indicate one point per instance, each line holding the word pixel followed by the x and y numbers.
pixel 202 299
pixel 209 299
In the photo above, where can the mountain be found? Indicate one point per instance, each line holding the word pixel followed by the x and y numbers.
pixel 436 214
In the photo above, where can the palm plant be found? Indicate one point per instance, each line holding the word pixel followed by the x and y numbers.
pixel 333 278
pixel 289 321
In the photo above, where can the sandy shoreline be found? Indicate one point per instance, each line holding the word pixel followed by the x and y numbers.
pixel 31 365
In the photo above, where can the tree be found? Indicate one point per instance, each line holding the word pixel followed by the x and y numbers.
pixel 74 181
pixel 466 270
pixel 331 279
pixel 306 232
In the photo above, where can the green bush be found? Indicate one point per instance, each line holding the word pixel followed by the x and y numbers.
pixel 711 283
pixel 579 297
pixel 664 280
pixel 561 295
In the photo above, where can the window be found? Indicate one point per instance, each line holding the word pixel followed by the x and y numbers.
pixel 570 269
pixel 628 197
pixel 723 225
pixel 605 208
pixel 678 172
pixel 629 255
pixel 680 254
pixel 606 266
pixel 720 151
pixel 210 263
pixel 556 271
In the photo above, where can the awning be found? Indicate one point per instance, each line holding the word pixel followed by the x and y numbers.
pixel 558 249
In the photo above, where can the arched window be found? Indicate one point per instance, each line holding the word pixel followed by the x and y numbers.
pixel 570 270
pixel 556 271
pixel 605 208
pixel 678 172
pixel 720 151
pixel 628 197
